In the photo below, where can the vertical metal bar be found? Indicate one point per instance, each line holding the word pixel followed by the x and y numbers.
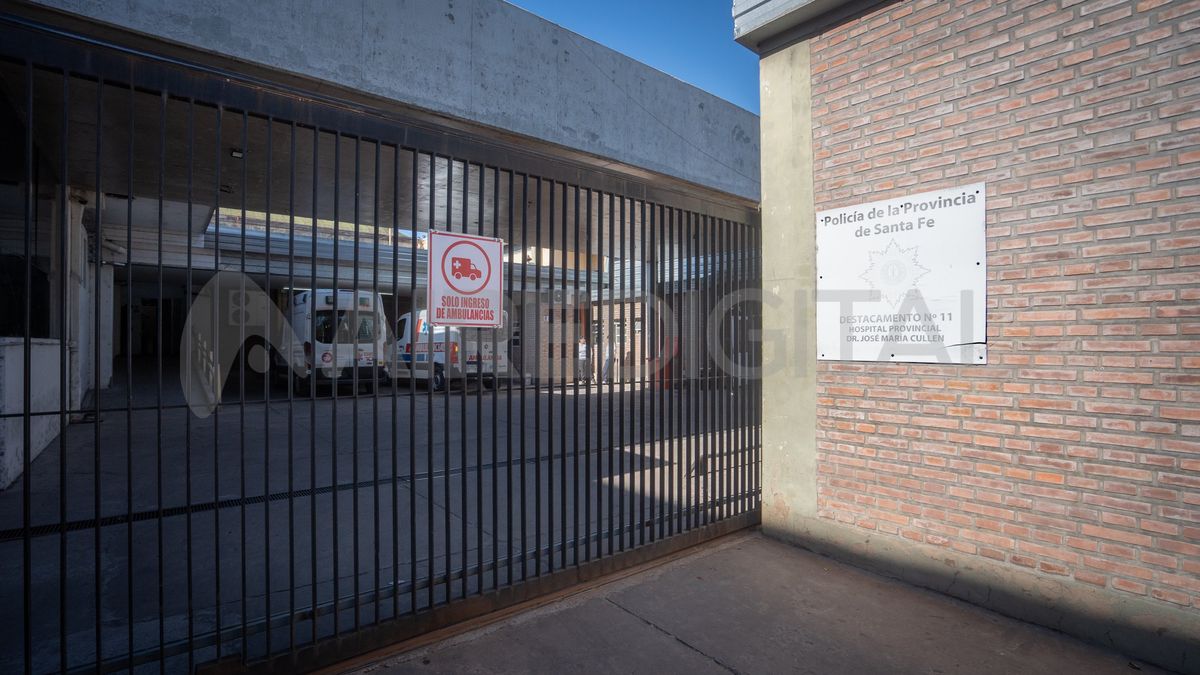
pixel 96 508
pixel 658 339
pixel 749 373
pixel 726 473
pixel 716 446
pixel 729 315
pixel 553 351
pixel 683 381
pixel 216 452
pixel 731 361
pixel 718 398
pixel 242 403
pixel 654 364
pixel 537 382
pixel 711 425
pixel 575 326
pixel 693 361
pixel 508 407
pixel 597 308
pixel 687 347
pixel 413 337
pixel 392 354
pixel 376 360
pixel 312 384
pixel 611 356
pixel 159 312
pixel 495 393
pixel 335 487
pixel 663 291
pixel 524 379
pixel 675 489
pixel 429 362
pixel 27 389
pixel 743 341
pixel 735 399
pixel 555 330
pixel 758 364
pixel 673 339
pixel 162 164
pixel 641 376
pixel 701 418
pixel 731 372
pixel 462 419
pixel 586 323
pixel 649 381
pixel 650 330
pixel 291 394
pixel 564 357
pixel 673 395
pixel 64 208
pixel 354 381
pixel 697 306
pixel 707 389
pixel 267 399
pixel 478 419
pixel 622 337
pixel 128 349
pixel 722 372
pixel 446 394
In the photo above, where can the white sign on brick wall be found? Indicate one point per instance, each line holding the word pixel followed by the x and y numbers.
pixel 904 280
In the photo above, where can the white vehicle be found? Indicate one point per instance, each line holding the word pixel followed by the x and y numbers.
pixel 458 353
pixel 336 335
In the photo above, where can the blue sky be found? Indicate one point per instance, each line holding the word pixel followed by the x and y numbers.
pixel 689 39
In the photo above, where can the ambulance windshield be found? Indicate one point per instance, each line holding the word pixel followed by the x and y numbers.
pixel 344 326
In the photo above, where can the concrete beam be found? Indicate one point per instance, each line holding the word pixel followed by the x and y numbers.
pixel 484 61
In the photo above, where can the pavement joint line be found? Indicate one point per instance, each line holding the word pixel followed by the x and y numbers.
pixel 472 629
pixel 673 636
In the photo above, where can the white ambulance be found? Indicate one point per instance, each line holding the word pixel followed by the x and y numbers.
pixel 335 334
pixel 458 353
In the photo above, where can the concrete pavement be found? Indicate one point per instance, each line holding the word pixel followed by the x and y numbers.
pixel 749 604
pixel 266 509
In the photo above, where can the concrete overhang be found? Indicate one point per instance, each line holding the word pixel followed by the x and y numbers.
pixel 765 26
pixel 483 67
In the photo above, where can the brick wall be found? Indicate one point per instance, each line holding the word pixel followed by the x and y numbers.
pixel 1076 451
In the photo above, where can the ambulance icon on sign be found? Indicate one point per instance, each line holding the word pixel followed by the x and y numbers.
pixel 463 267
pixel 466 267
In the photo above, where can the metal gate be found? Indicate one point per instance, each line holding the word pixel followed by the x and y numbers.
pixel 309 510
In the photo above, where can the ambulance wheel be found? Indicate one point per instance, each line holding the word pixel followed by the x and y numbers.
pixel 489 382
pixel 367 386
pixel 438 381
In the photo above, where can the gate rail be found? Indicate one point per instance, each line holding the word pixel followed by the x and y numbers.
pixel 300 524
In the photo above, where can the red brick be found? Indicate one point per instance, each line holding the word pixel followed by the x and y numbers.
pixel 1077 452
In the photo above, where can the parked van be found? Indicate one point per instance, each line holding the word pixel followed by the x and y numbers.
pixel 335 334
pixel 458 353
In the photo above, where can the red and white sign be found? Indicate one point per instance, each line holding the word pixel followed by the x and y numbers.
pixel 466 281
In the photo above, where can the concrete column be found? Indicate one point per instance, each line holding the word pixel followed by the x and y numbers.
pixel 44 393
pixel 789 281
